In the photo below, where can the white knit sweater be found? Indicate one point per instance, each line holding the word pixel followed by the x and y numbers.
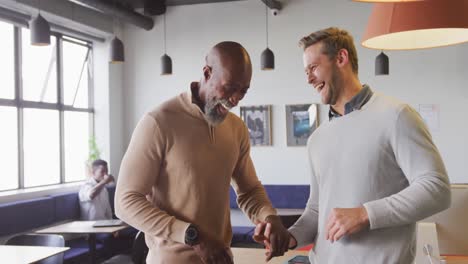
pixel 381 157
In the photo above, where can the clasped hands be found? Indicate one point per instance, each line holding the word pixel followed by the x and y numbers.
pixel 341 222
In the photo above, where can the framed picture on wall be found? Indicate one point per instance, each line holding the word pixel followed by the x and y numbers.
pixel 258 122
pixel 301 122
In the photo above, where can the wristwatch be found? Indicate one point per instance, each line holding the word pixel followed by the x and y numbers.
pixel 191 235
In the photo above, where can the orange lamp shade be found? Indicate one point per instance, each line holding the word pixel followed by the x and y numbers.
pixel 385 1
pixel 417 25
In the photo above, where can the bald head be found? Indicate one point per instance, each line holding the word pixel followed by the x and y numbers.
pixel 229 58
pixel 226 79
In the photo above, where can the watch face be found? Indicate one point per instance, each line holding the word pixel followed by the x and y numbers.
pixel 191 235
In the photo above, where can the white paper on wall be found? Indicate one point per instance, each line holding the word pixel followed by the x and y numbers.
pixel 430 115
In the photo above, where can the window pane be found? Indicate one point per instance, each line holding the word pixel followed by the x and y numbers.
pixel 75 74
pixel 9 148
pixel 76 145
pixel 41 147
pixel 7 63
pixel 39 70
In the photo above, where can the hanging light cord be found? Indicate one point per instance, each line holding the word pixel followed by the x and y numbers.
pixel 266 24
pixel 164 33
pixel 113 19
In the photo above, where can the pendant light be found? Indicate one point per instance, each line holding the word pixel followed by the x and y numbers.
pixel 40 30
pixel 166 62
pixel 417 25
pixel 117 51
pixel 382 64
pixel 117 54
pixel 267 57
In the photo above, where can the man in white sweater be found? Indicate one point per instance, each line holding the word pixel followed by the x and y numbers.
pixel 375 170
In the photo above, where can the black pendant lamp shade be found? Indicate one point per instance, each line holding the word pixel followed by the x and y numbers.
pixel 40 31
pixel 166 65
pixel 166 61
pixel 268 60
pixel 117 51
pixel 381 64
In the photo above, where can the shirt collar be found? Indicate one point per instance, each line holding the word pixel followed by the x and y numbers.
pixel 356 103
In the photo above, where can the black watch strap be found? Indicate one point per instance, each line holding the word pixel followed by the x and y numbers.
pixel 191 235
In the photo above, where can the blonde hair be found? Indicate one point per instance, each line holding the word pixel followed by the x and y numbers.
pixel 334 39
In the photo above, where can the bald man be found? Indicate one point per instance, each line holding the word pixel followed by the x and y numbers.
pixel 183 156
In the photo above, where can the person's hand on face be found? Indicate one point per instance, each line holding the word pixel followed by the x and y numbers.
pixel 273 235
pixel 109 178
pixel 346 221
pixel 212 251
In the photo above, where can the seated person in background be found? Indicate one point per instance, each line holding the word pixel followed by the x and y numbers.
pixel 94 198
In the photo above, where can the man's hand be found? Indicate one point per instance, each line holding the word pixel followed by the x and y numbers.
pixel 273 234
pixel 212 251
pixel 109 178
pixel 346 221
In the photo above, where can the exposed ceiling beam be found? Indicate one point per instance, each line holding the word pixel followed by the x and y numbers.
pixel 154 7
pixel 273 4
pixel 194 2
pixel 140 3
pixel 117 11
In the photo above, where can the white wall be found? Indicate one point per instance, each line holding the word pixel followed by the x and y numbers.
pixel 432 76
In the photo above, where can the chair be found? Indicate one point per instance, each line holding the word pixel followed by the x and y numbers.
pixel 139 252
pixel 40 240
pixel 139 249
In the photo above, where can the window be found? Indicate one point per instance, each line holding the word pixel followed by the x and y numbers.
pixel 76 145
pixel 48 114
pixel 9 149
pixel 7 53
pixel 39 67
pixel 75 74
pixel 41 147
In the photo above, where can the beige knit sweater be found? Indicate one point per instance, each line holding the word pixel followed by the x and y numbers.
pixel 186 166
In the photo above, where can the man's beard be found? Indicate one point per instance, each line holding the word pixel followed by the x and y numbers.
pixel 211 111
pixel 333 92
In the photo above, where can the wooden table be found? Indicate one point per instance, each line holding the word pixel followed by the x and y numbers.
pixel 255 255
pixel 83 227
pixel 27 254
pixel 455 259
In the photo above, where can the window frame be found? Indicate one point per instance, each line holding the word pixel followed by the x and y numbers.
pixel 20 104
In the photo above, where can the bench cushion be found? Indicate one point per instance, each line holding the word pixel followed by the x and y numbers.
pixel 67 206
pixel 21 216
pixel 242 234
pixel 281 196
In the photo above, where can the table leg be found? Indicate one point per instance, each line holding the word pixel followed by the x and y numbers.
pixel 92 247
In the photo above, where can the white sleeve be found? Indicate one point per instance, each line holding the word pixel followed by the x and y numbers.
pixel 84 193
pixel 429 188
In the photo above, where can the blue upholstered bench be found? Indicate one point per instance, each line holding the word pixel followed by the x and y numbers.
pixel 24 216
pixel 17 217
pixel 281 196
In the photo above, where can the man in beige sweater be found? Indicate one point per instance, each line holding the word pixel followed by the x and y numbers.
pixel 185 154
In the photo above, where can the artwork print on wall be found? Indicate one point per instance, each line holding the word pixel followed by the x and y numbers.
pixel 301 122
pixel 258 122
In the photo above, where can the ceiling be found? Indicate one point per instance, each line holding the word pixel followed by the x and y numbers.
pixel 140 3
pixel 140 12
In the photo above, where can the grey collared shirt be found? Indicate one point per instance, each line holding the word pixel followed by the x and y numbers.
pixel 355 103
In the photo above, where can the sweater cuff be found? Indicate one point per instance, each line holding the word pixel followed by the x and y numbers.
pixel 378 213
pixel 265 212
pixel 298 234
pixel 178 229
